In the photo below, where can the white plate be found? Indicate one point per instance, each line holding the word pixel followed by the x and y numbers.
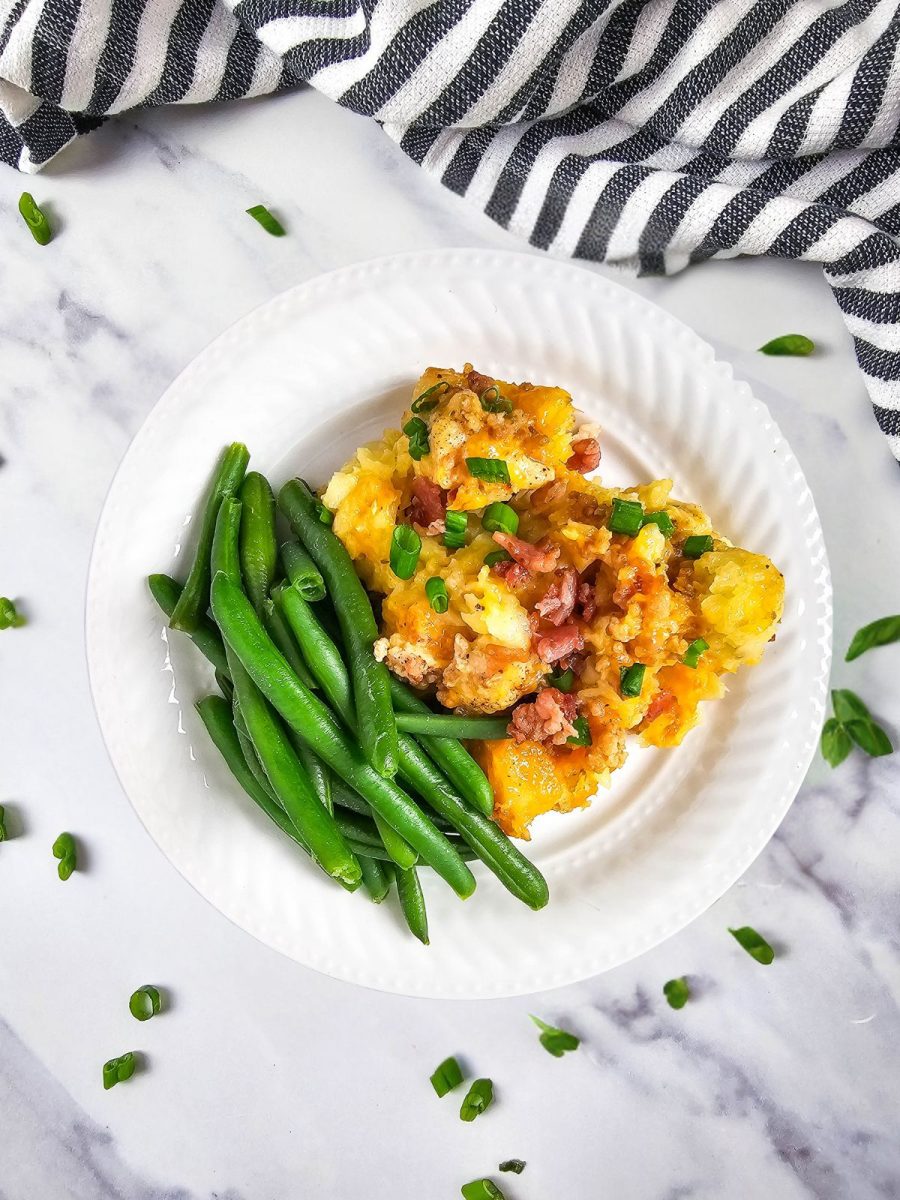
pixel 305 379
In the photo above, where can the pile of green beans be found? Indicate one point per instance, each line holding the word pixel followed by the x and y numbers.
pixel 318 733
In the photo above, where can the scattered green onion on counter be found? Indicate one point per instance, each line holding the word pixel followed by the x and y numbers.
pixel 144 1002
pixel 64 849
pixel 263 217
pixel 35 218
pixel 117 1070
pixel 481 1189
pixel 477 1099
pixel 556 1041
pixel 515 1165
pixel 10 617
pixel 677 992
pixel 447 1076
pixel 754 943
pixel 796 345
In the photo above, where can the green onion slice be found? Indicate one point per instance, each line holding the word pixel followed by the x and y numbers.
pixel 582 734
pixel 499 516
pixel 755 945
pixel 325 515
pixel 3 834
pixel 144 1002
pixel 516 1165
pixel 406 545
pixel 477 1099
pixel 692 655
pixel 481 1189
pixel 493 402
pixel 563 681
pixel 496 556
pixel 417 432
pixel 436 591
pixel 677 992
pixel 117 1070
pixel 697 544
pixel 879 633
pixel 447 1076
pixel 836 742
pixel 10 617
pixel 794 344
pixel 64 850
pixel 626 516
pixel 555 1041
pixel 430 398
pixel 631 679
pixel 263 217
pixel 35 219
pixel 490 470
pixel 455 526
pixel 661 520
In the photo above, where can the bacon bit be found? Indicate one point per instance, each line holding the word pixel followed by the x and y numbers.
pixel 585 456
pixel 587 600
pixel 426 509
pixel 478 382
pixel 548 719
pixel 558 602
pixel 512 572
pixel 572 662
pixel 542 559
pixel 660 703
pixel 547 495
pixel 551 647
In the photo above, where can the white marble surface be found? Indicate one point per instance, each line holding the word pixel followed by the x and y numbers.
pixel 263 1079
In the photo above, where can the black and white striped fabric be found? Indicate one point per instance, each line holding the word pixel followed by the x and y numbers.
pixel 650 133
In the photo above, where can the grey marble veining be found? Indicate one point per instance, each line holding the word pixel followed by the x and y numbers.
pixel 264 1080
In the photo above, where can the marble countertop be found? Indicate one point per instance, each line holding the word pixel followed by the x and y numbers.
pixel 266 1080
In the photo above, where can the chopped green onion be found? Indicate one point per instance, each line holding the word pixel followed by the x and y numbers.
pixel 455 526
pixel 406 545
pixel 430 398
pixel 879 633
pixel 117 1070
pixel 556 1041
pixel 755 945
pixel 262 216
pixel 692 655
pixel 477 1099
pixel 436 591
pixel 582 735
pixel 144 1003
pixel 417 432
pixel 563 681
pixel 496 556
pixel 325 515
pixel 481 1189
pixel 795 344
pixel 631 679
pixel 870 737
pixel 626 516
pixel 490 470
pixel 499 516
pixel 677 992
pixel 64 850
pixel 448 1076
pixel 493 402
pixel 661 520
pixel 699 543
pixel 3 834
pixel 35 219
pixel 516 1165
pixel 836 742
pixel 10 617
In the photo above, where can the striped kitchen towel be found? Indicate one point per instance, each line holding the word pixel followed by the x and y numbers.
pixel 649 133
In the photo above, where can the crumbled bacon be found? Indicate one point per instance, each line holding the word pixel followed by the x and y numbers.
pixel 478 382
pixel 587 600
pixel 541 559
pixel 558 602
pixel 660 703
pixel 548 719
pixel 585 455
pixel 426 509
pixel 553 646
pixel 547 495
pixel 512 572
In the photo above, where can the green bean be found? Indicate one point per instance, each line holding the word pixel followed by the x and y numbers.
pixel 225 686
pixel 449 725
pixel 302 572
pixel 412 902
pixel 251 758
pixel 280 633
pixel 194 600
pixel 315 723
pixel 223 555
pixel 456 762
pixel 318 650
pixel 360 829
pixel 495 850
pixel 165 592
pixel 259 549
pixel 371 686
pixel 319 775
pixel 376 878
pixel 288 780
